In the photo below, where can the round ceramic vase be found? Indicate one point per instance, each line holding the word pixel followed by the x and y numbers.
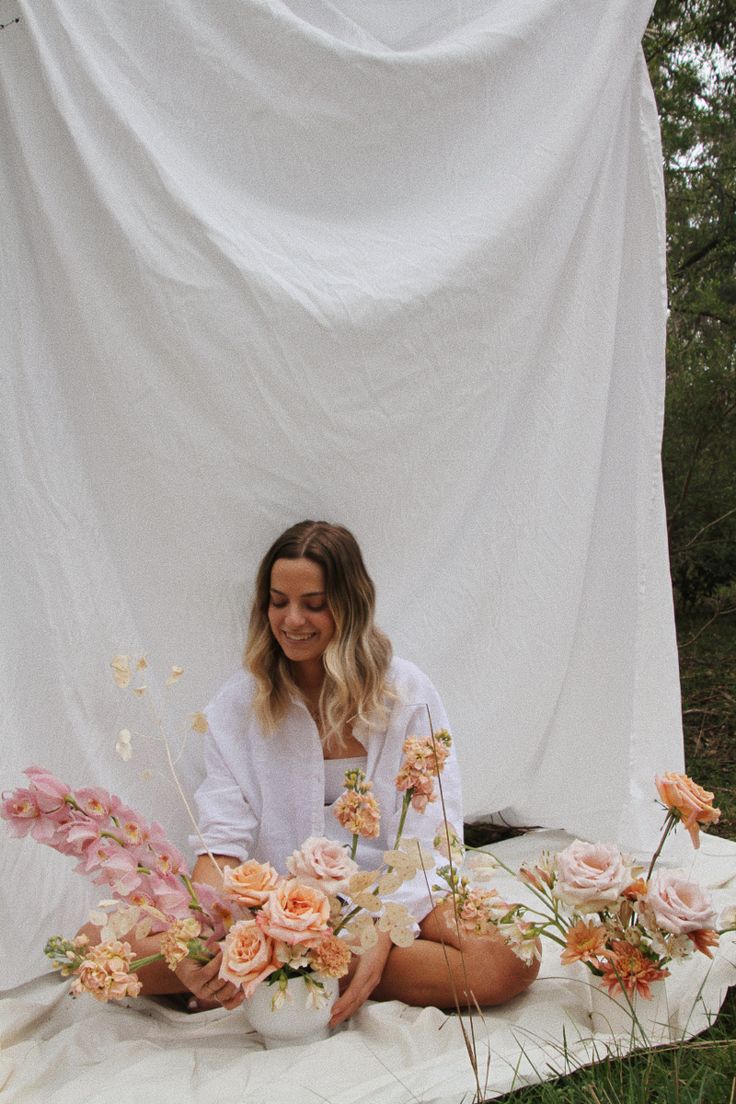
pixel 295 1022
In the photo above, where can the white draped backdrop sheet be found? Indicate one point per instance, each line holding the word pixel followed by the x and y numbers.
pixel 395 265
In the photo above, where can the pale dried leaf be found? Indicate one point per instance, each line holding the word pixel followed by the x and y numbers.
pixel 140 690
pixel 121 671
pixel 199 723
pixel 176 673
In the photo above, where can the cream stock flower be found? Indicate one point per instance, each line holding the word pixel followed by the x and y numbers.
pixel 322 863
pixel 175 941
pixel 247 956
pixel 251 883
pixel 590 876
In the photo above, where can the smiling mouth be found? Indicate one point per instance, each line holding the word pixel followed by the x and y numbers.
pixel 299 639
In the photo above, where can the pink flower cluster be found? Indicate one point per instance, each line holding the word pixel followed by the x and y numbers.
pixel 424 759
pixel 115 846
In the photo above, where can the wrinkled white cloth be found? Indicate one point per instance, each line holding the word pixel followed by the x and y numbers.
pixel 57 1051
pixel 264 794
pixel 397 265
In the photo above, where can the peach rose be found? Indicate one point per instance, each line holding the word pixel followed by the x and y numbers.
pixel 247 956
pixel 250 883
pixel 590 876
pixel 295 913
pixel 323 864
pixel 677 904
pixel 691 803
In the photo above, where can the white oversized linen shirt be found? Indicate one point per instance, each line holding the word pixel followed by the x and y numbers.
pixel 263 795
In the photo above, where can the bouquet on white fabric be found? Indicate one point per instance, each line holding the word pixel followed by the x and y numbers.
pixel 623 925
pixel 269 926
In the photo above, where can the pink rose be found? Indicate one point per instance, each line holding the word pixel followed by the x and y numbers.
pixel 323 864
pixel 677 904
pixel 247 956
pixel 295 913
pixel 251 883
pixel 590 876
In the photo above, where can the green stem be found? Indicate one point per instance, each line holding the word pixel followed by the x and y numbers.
pixel 669 824
pixel 402 819
pixel 354 846
pixel 193 898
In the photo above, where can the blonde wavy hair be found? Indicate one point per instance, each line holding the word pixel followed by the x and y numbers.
pixel 357 658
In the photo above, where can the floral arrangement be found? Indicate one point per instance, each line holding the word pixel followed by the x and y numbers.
pixel 624 925
pixel 269 926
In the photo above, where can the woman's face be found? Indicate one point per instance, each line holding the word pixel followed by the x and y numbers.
pixel 298 612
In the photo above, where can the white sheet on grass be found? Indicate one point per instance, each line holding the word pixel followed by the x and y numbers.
pixel 396 265
pixel 58 1051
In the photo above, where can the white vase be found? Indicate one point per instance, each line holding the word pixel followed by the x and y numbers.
pixel 295 1022
pixel 638 1020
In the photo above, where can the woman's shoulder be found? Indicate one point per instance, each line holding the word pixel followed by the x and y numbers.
pixel 232 701
pixel 404 677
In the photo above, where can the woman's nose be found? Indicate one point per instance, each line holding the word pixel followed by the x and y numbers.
pixel 294 617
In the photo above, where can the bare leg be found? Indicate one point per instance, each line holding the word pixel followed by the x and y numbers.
pixel 442 968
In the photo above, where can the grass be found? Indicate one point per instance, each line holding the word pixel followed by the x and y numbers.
pixel 703 1070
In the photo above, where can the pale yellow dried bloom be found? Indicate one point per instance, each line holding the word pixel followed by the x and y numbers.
pixel 199 723
pixel 176 673
pixel 123 745
pixel 121 671
pixel 362 880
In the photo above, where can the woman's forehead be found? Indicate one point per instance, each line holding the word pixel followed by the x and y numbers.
pixel 300 576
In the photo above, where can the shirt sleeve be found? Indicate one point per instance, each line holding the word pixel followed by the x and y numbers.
pixel 417 894
pixel 227 823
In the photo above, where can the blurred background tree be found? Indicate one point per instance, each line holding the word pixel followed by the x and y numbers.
pixel 691 52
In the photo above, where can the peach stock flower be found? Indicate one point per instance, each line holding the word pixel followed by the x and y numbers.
pixel 357 809
pixel 688 801
pixel 295 913
pixel 424 759
pixel 247 956
pixel 585 941
pixel 323 864
pixel 590 876
pixel 251 883
pixel 105 973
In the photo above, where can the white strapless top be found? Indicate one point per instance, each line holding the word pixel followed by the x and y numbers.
pixel 335 775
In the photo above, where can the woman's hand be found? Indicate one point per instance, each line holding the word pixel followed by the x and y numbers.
pixel 366 977
pixel 204 983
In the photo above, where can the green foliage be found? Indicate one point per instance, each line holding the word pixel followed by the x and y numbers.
pixel 691 52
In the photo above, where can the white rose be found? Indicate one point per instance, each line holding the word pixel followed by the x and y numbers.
pixel 322 864
pixel 590 876
pixel 677 904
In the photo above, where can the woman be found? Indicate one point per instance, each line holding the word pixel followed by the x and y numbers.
pixel 320 692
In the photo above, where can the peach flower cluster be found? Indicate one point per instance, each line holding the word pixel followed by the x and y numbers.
pixel 688 801
pixel 357 809
pixel 424 759
pixel 105 973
